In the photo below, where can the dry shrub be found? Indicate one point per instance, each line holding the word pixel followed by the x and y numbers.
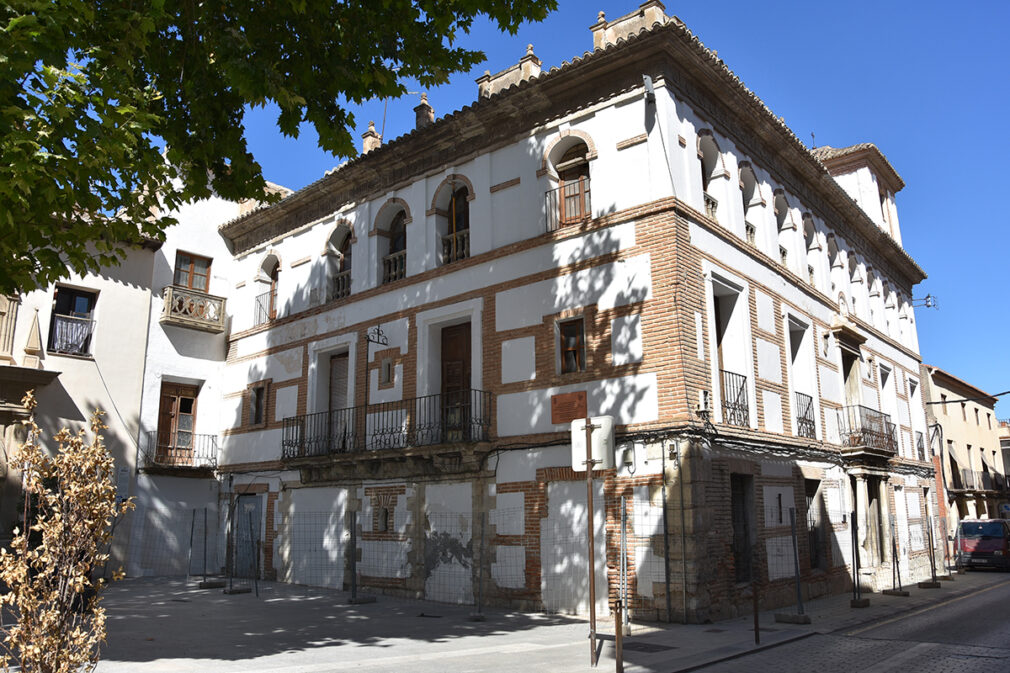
pixel 70 507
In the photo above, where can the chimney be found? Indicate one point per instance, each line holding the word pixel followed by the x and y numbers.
pixel 645 17
pixel 424 113
pixel 370 140
pixel 528 67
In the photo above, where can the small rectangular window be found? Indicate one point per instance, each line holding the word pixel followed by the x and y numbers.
pixel 192 271
pixel 386 371
pixel 258 405
pixel 943 403
pixel 573 346
pixel 964 412
pixel 988 419
pixel 977 421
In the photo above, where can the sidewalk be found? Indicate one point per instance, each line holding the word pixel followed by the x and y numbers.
pixel 170 626
pixel 701 645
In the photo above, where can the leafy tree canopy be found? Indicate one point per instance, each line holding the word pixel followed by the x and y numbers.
pixel 90 91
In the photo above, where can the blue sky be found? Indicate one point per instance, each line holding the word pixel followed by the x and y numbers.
pixel 926 81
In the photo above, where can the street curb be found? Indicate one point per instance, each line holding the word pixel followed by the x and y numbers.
pixel 737 655
pixel 934 598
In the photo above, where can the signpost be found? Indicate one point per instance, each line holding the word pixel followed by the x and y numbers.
pixel 599 452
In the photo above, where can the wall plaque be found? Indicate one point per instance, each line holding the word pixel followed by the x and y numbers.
pixel 568 407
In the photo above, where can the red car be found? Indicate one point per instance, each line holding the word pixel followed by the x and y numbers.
pixel 983 543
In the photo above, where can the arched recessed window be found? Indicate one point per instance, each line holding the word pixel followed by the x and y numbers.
pixel 338 251
pixel 456 239
pixel 394 262
pixel 710 161
pixel 266 300
pixel 572 195
pixel 784 226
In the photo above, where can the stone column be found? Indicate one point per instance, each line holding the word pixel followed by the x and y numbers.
pixel 885 520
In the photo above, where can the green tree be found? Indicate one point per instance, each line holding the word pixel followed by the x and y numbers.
pixel 91 91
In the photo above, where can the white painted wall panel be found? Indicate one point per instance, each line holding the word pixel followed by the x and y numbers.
pixel 629 399
pixel 772 404
pixel 626 339
pixel 769 361
pixel 518 360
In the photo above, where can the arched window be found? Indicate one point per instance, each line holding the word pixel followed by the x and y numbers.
pixel 710 160
pixel 267 279
pixel 573 186
pixel 456 239
pixel 394 263
pixel 338 251
pixel 785 228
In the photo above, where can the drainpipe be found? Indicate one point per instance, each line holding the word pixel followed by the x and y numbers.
pixel 683 528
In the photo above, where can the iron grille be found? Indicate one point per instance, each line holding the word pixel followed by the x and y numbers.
pixel 735 409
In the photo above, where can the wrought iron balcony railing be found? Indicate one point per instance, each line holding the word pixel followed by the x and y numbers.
pixel 180 450
pixel 456 246
pixel 462 416
pixel 340 286
pixel 711 206
pixel 266 307
pixel 920 446
pixel 805 426
pixel 863 427
pixel 568 204
pixel 735 409
pixel 394 266
pixel 185 307
pixel 71 334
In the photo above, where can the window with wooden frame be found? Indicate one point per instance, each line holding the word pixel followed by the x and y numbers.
pixel 573 175
pixel 573 345
pixel 192 271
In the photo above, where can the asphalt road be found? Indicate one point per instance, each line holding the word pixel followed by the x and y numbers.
pixel 964 634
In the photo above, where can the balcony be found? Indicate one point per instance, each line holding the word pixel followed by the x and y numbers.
pixel 184 307
pixel 568 204
pixel 711 206
pixel 340 286
pixel 265 309
pixel 394 266
pixel 459 417
pixel 735 410
pixel 180 451
pixel 71 334
pixel 456 246
pixel 867 430
pixel 805 426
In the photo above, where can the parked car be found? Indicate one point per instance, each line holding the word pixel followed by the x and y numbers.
pixel 983 543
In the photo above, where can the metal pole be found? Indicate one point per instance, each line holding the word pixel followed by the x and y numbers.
pixel 796 561
pixel 192 526
pixel 592 556
pixel 480 567
pixel 932 549
pixel 895 573
pixel 254 545
pixel 857 592
pixel 666 544
pixel 946 547
pixel 204 544
pixel 754 594
pixel 354 556
pixel 234 548
pixel 619 639
pixel 625 623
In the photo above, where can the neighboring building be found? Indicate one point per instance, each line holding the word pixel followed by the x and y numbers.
pixel 965 436
pixel 81 345
pixel 393 355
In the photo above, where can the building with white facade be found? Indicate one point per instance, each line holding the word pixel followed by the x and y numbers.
pixel 378 373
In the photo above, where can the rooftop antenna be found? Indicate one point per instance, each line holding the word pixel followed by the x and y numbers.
pixel 813 139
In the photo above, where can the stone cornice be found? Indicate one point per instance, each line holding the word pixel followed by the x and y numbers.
pixel 669 51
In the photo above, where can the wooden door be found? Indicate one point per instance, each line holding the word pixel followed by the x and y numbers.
pixel 176 422
pixel 456 382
